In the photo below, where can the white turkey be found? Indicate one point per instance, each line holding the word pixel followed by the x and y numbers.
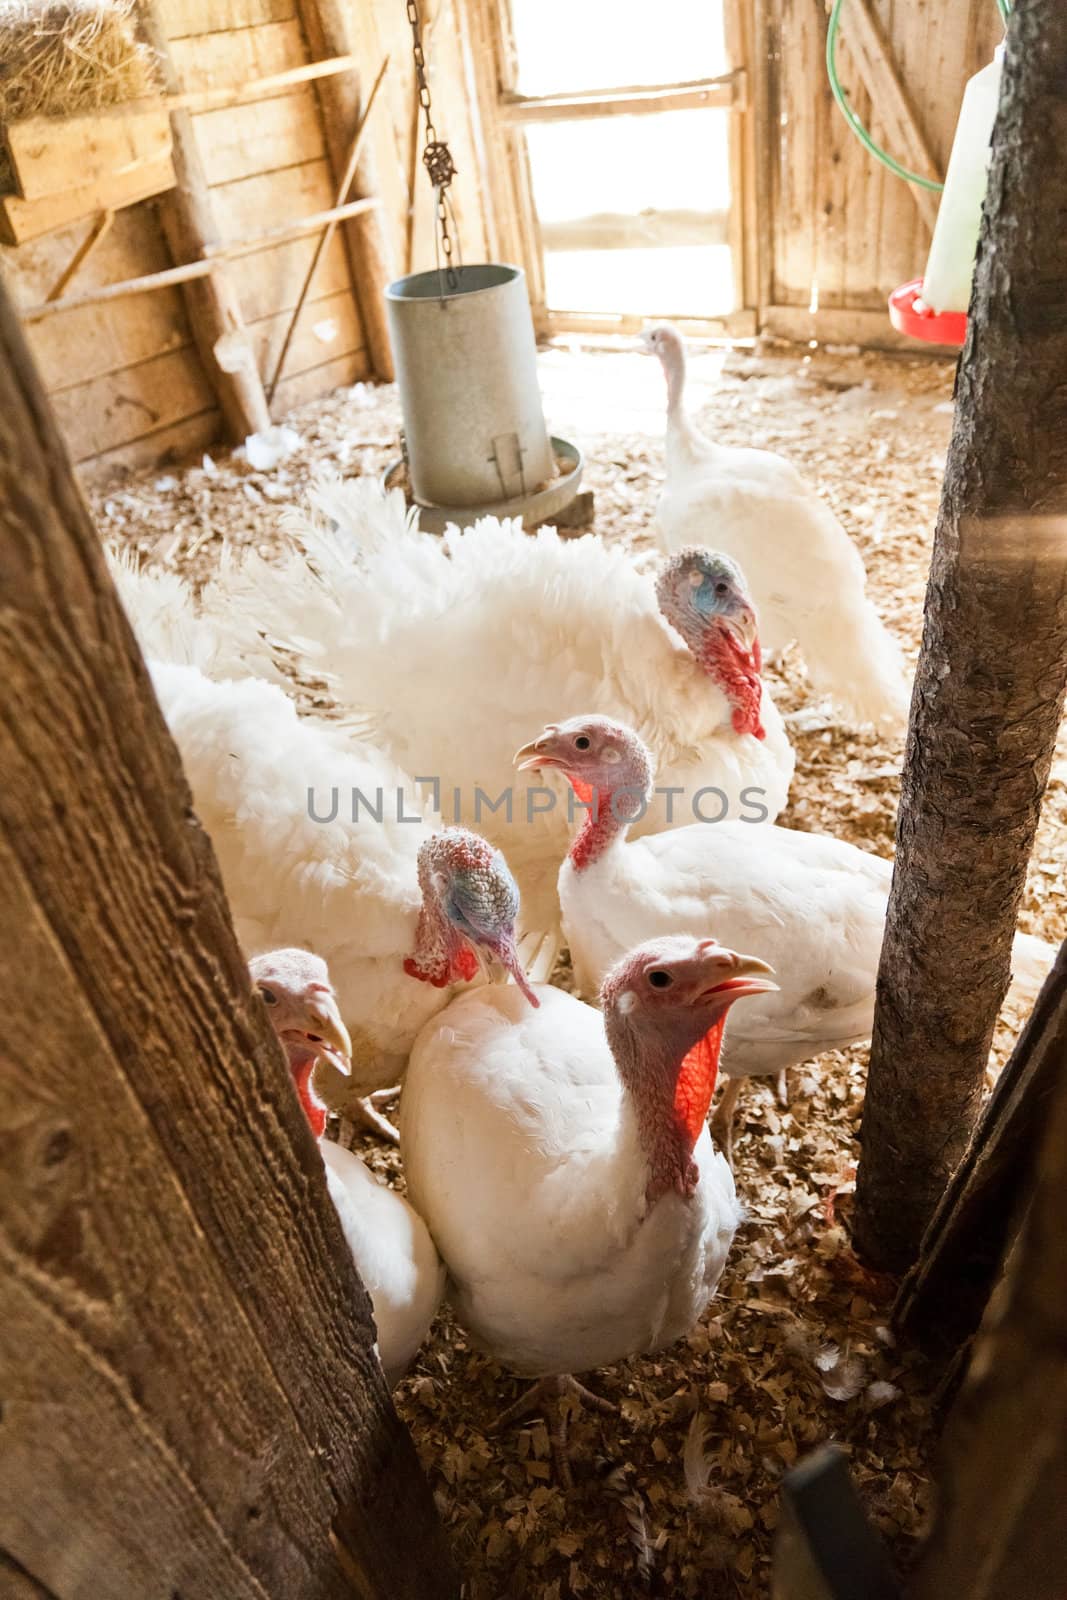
pixel 807 577
pixel 324 843
pixel 457 645
pixel 389 1241
pixel 563 1165
pixel 812 905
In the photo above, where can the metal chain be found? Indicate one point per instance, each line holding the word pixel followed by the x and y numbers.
pixel 436 156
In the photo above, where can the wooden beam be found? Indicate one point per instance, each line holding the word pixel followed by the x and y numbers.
pixel 95 237
pixel 999 1526
pixel 45 152
pixel 192 1404
pixel 207 267
pixel 871 330
pixel 331 30
pixel 870 49
pixel 724 92
pixel 992 673
pixel 943 1297
pixel 21 220
pixel 191 231
pixel 328 232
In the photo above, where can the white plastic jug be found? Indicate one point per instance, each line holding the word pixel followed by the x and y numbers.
pixel 950 267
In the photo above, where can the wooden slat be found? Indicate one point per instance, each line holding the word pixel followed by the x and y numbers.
pixel 203 267
pixel 104 340
pixel 871 51
pixel 220 60
pixel 250 205
pixel 22 220
pixel 112 410
pixel 339 334
pixel 177 442
pixel 88 343
pixel 263 137
pixel 870 329
pixel 187 18
pixel 47 152
pixel 270 280
pixel 321 380
pixel 704 93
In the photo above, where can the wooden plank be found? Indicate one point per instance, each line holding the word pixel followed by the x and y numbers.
pixel 942 1299
pixel 192 1403
pixel 87 343
pixel 322 380
pixel 872 330
pixel 335 26
pixel 176 443
pixel 871 52
pixel 101 340
pixel 224 99
pixel 112 410
pixel 259 138
pixel 704 94
pixel 221 60
pixel 270 280
pixel 183 19
pixel 329 328
pixel 46 152
pixel 244 208
pixel 205 268
pixel 22 220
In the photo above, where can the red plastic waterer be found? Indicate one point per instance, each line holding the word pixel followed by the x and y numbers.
pixel 909 313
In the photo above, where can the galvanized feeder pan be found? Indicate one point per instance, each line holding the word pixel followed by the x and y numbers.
pixel 474 430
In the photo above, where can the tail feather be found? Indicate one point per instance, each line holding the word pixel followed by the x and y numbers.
pixel 854 658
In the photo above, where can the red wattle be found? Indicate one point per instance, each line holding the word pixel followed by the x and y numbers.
pixel 413 970
pixel 696 1081
pixel 465 963
pixel 584 791
pixel 315 1113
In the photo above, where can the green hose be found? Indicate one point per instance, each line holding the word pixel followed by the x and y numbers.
pixel 1003 6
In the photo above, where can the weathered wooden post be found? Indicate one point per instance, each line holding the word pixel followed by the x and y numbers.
pixel 990 684
pixel 191 1404
pixel 1001 1525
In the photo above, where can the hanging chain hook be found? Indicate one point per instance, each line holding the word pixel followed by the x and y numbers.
pixel 436 156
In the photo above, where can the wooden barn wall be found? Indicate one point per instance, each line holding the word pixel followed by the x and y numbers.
pixel 844 231
pixel 125 378
pixel 384 31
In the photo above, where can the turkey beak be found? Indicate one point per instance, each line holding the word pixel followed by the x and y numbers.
pixel 327 1033
pixel 746 975
pixel 535 754
pixel 743 628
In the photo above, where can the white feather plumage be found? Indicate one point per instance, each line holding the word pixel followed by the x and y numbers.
pixel 522 1152
pixel 806 575
pixel 458 647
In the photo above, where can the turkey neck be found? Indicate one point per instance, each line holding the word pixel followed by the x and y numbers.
pixel 669 1073
pixel 682 438
pixel 301 1063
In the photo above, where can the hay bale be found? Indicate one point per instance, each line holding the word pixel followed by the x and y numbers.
pixel 62 57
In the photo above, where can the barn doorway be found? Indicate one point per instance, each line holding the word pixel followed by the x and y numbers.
pixel 628 158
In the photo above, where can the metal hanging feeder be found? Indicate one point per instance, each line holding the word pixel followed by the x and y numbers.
pixel 475 440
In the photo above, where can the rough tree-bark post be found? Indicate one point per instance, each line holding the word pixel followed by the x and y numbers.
pixel 990 684
pixel 191 1403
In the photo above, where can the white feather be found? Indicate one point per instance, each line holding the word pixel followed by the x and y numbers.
pixel 805 574
pixel 521 1151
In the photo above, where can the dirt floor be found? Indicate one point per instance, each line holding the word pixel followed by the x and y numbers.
pixel 679 1495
